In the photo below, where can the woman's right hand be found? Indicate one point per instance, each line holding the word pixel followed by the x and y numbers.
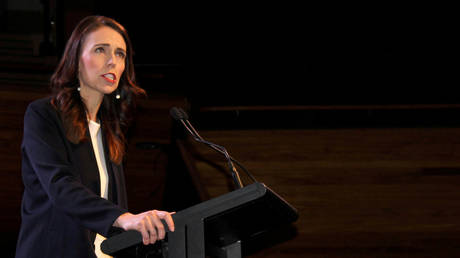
pixel 147 223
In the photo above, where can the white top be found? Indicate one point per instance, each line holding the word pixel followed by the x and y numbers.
pixel 96 140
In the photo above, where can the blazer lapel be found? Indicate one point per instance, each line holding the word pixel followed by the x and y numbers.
pixel 86 161
pixel 112 188
pixel 117 192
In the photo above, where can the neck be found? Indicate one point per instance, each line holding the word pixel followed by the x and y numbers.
pixel 92 107
pixel 92 103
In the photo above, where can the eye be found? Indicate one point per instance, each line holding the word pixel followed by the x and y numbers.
pixel 121 54
pixel 99 50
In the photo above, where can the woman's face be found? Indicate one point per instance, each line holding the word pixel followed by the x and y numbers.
pixel 102 62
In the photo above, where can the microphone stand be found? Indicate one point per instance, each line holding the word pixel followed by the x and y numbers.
pixel 180 115
pixel 214 146
pixel 196 136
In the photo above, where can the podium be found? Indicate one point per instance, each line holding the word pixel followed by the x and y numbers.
pixel 214 228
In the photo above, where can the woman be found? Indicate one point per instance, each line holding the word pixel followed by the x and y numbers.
pixel 73 147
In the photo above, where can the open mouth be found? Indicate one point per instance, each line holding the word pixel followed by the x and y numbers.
pixel 109 77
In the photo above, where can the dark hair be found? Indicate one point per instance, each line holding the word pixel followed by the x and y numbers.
pixel 115 114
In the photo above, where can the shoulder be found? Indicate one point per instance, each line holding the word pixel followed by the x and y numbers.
pixel 41 109
pixel 40 104
pixel 42 122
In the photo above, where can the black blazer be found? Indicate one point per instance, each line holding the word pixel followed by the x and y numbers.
pixel 61 207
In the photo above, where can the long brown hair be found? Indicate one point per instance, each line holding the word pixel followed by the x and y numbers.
pixel 115 114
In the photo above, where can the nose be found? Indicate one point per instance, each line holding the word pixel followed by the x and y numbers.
pixel 112 60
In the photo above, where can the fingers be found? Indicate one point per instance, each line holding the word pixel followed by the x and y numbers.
pixel 153 226
pixel 149 224
pixel 145 234
pixel 158 225
pixel 150 227
pixel 166 216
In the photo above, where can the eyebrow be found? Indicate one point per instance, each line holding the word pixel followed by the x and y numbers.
pixel 107 45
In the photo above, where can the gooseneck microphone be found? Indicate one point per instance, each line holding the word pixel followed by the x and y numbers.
pixel 180 115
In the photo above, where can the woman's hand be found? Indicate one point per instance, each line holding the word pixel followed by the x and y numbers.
pixel 148 223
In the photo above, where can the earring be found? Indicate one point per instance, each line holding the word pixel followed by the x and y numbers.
pixel 117 96
pixel 78 88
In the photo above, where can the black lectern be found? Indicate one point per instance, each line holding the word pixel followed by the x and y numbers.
pixel 214 228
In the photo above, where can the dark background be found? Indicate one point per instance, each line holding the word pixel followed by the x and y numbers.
pixel 281 54
pixel 365 97
pixel 307 54
pixel 243 53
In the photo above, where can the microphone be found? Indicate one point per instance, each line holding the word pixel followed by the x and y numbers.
pixel 180 115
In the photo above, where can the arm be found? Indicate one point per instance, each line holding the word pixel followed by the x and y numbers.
pixel 44 147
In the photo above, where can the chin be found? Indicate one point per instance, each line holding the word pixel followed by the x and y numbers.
pixel 109 89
